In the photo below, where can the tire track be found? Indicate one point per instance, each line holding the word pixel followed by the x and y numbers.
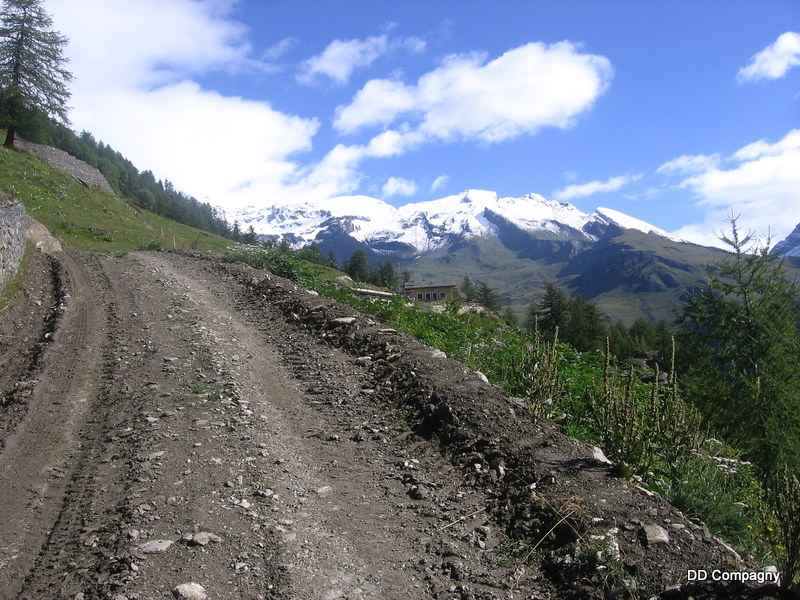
pixel 40 456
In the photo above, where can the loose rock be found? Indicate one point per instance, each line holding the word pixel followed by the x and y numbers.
pixel 189 591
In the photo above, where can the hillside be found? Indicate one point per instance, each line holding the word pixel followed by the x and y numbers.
pixel 89 217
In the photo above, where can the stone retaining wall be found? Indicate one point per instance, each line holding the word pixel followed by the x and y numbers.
pixel 13 231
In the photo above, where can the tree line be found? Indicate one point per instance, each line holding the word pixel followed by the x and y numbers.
pixel 580 323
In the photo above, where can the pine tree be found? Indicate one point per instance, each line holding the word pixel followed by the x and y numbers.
pixel 468 289
pixel 643 335
pixel 510 317
pixel 251 237
pixel 357 266
pixel 584 327
pixel 488 298
pixel 663 345
pixel 32 72
pixel 553 310
pixel 387 275
pixel 739 343
pixel 619 340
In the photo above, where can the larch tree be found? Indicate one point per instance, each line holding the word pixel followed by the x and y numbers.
pixel 33 76
pixel 740 344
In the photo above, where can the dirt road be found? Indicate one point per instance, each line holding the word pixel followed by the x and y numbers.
pixel 176 427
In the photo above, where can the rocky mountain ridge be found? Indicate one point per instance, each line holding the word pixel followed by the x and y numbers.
pixel 420 228
pixel 790 247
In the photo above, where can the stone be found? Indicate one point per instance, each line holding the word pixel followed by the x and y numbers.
pixel 653 534
pixel 599 456
pixel 155 546
pixel 202 538
pixel 343 321
pixel 189 591
pixel 417 493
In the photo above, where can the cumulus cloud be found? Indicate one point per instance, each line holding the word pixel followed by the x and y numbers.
pixel 582 190
pixel 342 57
pixel 470 98
pixel 774 61
pixel 172 132
pixel 136 66
pixel 760 182
pixel 397 186
pixel 148 42
pixel 140 66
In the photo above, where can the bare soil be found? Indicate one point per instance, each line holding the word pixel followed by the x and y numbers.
pixel 170 419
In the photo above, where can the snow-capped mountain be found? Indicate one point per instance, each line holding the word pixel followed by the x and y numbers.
pixel 416 229
pixel 790 246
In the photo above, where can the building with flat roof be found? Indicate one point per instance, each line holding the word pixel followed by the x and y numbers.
pixel 429 292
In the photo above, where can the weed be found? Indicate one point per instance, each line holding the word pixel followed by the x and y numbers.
pixel 14 285
pixel 149 245
pixel 175 302
pixel 206 359
pixel 781 525
pixel 400 418
pixel 183 318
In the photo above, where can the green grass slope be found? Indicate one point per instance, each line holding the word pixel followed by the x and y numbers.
pixel 89 219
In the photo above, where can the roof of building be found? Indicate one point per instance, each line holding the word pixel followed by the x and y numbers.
pixel 428 284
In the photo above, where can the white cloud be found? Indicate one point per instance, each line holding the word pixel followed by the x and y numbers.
pixel 439 182
pixel 377 103
pixel 689 164
pixel 135 64
pixel 760 182
pixel 774 61
pixel 763 148
pixel 518 93
pixel 571 192
pixel 138 70
pixel 342 57
pixel 397 186
pixel 148 42
pixel 279 49
pixel 173 132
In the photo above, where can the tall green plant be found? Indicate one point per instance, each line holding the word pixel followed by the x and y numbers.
pixel 782 526
pixel 740 343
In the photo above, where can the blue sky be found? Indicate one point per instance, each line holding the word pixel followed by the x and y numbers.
pixel 675 112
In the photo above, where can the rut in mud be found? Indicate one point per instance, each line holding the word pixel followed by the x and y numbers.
pixel 169 419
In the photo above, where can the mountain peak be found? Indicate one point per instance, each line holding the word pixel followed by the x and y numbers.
pixel 790 246
pixel 614 217
pixel 422 227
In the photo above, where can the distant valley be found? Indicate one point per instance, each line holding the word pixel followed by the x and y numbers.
pixel 627 267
